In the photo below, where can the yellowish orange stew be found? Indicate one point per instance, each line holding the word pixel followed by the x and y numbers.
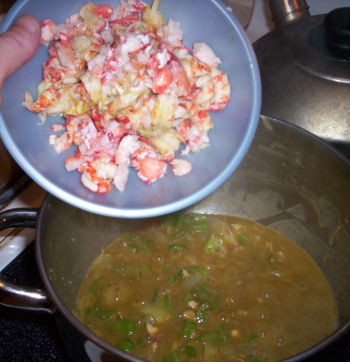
pixel 195 287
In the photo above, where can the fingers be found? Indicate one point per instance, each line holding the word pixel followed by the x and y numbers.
pixel 18 45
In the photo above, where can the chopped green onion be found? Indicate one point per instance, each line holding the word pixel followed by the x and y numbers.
pixel 166 302
pixel 155 295
pixel 179 234
pixel 271 258
pixel 124 270
pixel 242 238
pixel 211 245
pixel 252 337
pixel 172 357
pixel 127 326
pixel 127 345
pixel 169 220
pixel 133 248
pixel 124 326
pixel 190 351
pixel 94 287
pixel 176 246
pixel 188 329
pixel 146 244
pixel 188 298
pixel 140 342
pixel 102 314
pixel 133 237
pixel 212 336
pixel 173 280
pixel 179 221
pixel 201 312
pixel 216 336
pixel 206 294
pixel 200 218
pixel 200 227
pixel 223 332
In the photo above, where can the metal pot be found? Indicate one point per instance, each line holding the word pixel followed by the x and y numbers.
pixel 290 180
pixel 304 64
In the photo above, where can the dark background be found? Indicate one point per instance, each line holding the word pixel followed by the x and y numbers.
pixel 5 5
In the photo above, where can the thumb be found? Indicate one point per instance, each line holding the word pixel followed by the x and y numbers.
pixel 18 45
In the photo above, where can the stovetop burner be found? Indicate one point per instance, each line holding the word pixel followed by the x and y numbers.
pixel 28 336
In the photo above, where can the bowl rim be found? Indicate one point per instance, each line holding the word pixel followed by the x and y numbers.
pixel 164 208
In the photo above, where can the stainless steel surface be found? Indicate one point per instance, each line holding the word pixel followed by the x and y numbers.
pixel 14 241
pixel 261 23
pixel 302 81
pixel 284 11
pixel 290 181
pixel 27 299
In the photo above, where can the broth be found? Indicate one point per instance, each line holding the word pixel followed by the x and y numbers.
pixel 207 288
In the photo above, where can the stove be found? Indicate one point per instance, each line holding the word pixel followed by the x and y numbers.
pixel 35 337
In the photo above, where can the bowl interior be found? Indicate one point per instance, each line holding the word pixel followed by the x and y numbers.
pixel 201 21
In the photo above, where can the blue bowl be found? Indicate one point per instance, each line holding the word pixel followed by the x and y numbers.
pixel 208 21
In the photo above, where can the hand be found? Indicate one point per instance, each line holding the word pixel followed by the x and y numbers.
pixel 18 45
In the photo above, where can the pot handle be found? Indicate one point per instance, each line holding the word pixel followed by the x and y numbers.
pixel 21 297
pixel 13 295
pixel 21 217
pixel 284 12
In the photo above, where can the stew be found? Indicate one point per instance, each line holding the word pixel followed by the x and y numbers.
pixel 195 287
